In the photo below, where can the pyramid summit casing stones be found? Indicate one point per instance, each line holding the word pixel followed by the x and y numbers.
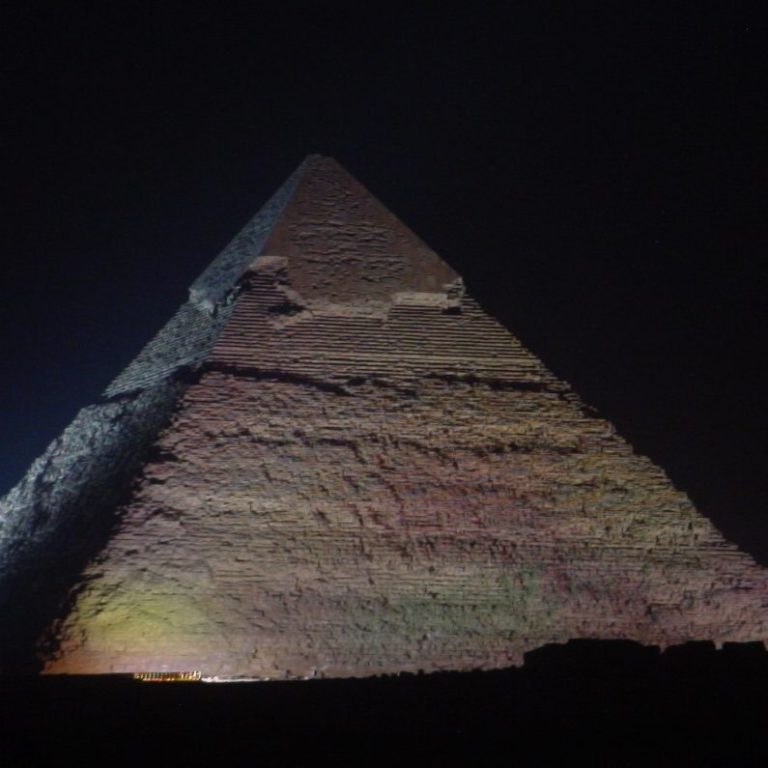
pixel 331 462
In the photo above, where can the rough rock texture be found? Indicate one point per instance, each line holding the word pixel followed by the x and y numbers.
pixel 363 473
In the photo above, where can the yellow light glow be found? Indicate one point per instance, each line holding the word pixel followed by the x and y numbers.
pixel 168 677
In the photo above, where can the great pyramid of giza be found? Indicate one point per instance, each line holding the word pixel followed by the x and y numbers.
pixel 332 462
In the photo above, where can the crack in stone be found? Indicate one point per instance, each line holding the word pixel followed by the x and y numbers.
pixel 274 374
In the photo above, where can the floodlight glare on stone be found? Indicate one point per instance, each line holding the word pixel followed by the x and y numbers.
pixel 332 462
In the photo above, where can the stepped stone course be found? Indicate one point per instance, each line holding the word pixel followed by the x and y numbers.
pixel 355 471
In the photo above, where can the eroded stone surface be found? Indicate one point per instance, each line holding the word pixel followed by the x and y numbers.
pixel 369 475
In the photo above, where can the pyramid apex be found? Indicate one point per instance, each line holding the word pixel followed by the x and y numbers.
pixel 322 213
pixel 316 160
pixel 222 274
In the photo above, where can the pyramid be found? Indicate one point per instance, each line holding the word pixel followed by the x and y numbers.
pixel 332 462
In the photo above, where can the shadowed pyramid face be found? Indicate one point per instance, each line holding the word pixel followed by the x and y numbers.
pixel 334 463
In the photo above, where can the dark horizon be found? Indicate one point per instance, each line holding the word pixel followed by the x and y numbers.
pixel 612 702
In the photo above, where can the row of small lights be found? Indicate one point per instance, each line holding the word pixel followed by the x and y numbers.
pixel 168 677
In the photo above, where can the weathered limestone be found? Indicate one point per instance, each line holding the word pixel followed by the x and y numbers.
pixel 360 472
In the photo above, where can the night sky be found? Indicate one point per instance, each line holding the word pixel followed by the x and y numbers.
pixel 597 172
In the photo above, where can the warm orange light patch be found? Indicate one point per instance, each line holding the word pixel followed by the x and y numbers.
pixel 168 677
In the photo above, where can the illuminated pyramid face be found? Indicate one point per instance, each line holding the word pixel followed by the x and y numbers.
pixel 342 467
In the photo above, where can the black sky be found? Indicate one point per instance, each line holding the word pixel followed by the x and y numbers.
pixel 598 172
